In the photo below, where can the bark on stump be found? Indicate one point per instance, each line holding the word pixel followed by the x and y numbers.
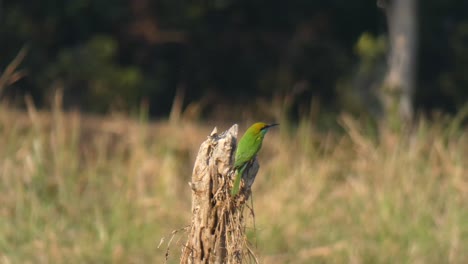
pixel 217 231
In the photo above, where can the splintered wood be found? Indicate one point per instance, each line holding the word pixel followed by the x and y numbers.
pixel 217 232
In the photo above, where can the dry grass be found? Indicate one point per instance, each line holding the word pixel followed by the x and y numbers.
pixel 106 190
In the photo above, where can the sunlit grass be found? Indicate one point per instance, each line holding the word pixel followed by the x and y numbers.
pixel 80 189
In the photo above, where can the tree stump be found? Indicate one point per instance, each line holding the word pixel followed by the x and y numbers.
pixel 217 231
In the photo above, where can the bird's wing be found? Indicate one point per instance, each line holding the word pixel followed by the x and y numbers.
pixel 249 150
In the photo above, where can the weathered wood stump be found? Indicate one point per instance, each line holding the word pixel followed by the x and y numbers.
pixel 217 232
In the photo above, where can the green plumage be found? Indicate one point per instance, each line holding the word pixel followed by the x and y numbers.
pixel 247 149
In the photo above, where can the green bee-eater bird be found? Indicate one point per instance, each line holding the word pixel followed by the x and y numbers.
pixel 247 149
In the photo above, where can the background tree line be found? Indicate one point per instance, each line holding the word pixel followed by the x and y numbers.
pixel 115 54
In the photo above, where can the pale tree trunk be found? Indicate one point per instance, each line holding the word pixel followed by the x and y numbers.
pixel 217 231
pixel 398 85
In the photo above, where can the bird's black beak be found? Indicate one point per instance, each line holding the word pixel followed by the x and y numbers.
pixel 272 125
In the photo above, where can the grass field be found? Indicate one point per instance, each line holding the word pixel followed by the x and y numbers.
pixel 81 189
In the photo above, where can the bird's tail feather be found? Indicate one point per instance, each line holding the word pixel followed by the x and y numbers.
pixel 236 186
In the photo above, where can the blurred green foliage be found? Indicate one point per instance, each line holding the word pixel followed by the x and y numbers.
pixel 107 54
pixel 91 69
pixel 454 81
